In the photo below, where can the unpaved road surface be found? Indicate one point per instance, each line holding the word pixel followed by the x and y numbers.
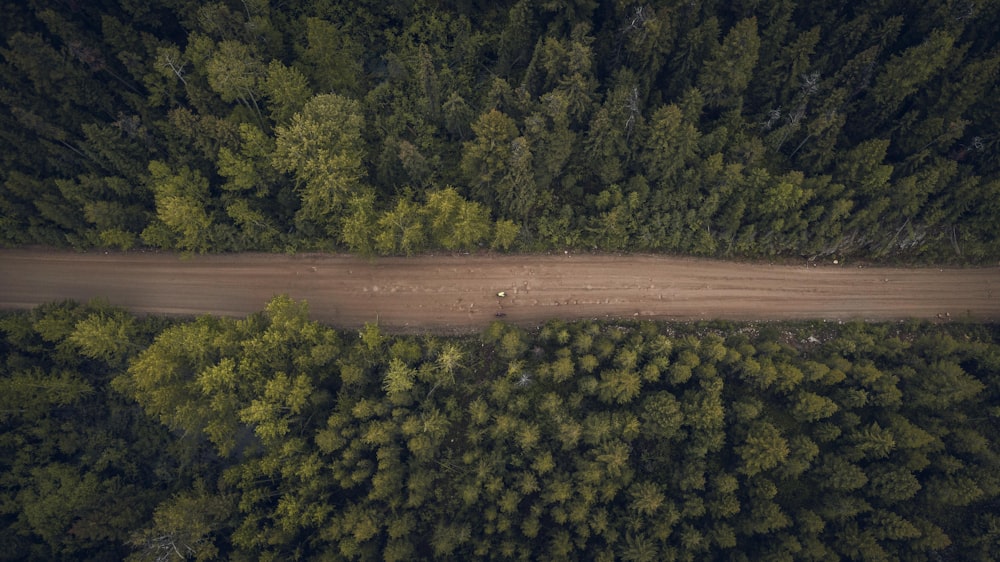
pixel 451 294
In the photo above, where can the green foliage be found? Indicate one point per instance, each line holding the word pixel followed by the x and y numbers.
pixel 321 147
pixel 183 526
pixel 286 90
pixel 770 130
pixel 289 439
pixel 81 467
pixel 235 73
pixel 456 223
pixel 105 337
pixel 765 129
pixel 331 58
pixel 181 199
pixel 730 65
pixel 763 449
pixel 905 72
pixel 400 230
pixel 485 160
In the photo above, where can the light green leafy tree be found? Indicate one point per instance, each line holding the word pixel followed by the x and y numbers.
pixel 283 398
pixel 235 73
pixel 109 337
pixel 505 233
pixel 454 223
pixel 401 229
pixel 399 377
pixel 359 226
pixel 182 200
pixel 322 148
pixel 286 89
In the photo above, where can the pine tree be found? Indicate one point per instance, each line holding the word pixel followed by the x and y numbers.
pixel 764 448
pixel 730 66
pixel 485 158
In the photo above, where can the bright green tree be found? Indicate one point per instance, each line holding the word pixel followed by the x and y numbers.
pixel 182 201
pixel 322 148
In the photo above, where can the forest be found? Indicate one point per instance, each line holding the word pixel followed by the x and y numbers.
pixel 727 129
pixel 275 438
pixel 742 129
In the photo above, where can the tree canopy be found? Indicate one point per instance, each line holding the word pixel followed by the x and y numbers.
pixel 749 129
pixel 274 437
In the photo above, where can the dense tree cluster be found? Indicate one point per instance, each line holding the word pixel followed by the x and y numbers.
pixel 273 437
pixel 711 128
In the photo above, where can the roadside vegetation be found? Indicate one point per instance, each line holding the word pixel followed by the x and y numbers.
pixel 729 129
pixel 276 438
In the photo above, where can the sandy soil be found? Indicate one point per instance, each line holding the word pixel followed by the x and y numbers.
pixel 447 293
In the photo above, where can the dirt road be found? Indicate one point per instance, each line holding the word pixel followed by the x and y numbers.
pixel 459 293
